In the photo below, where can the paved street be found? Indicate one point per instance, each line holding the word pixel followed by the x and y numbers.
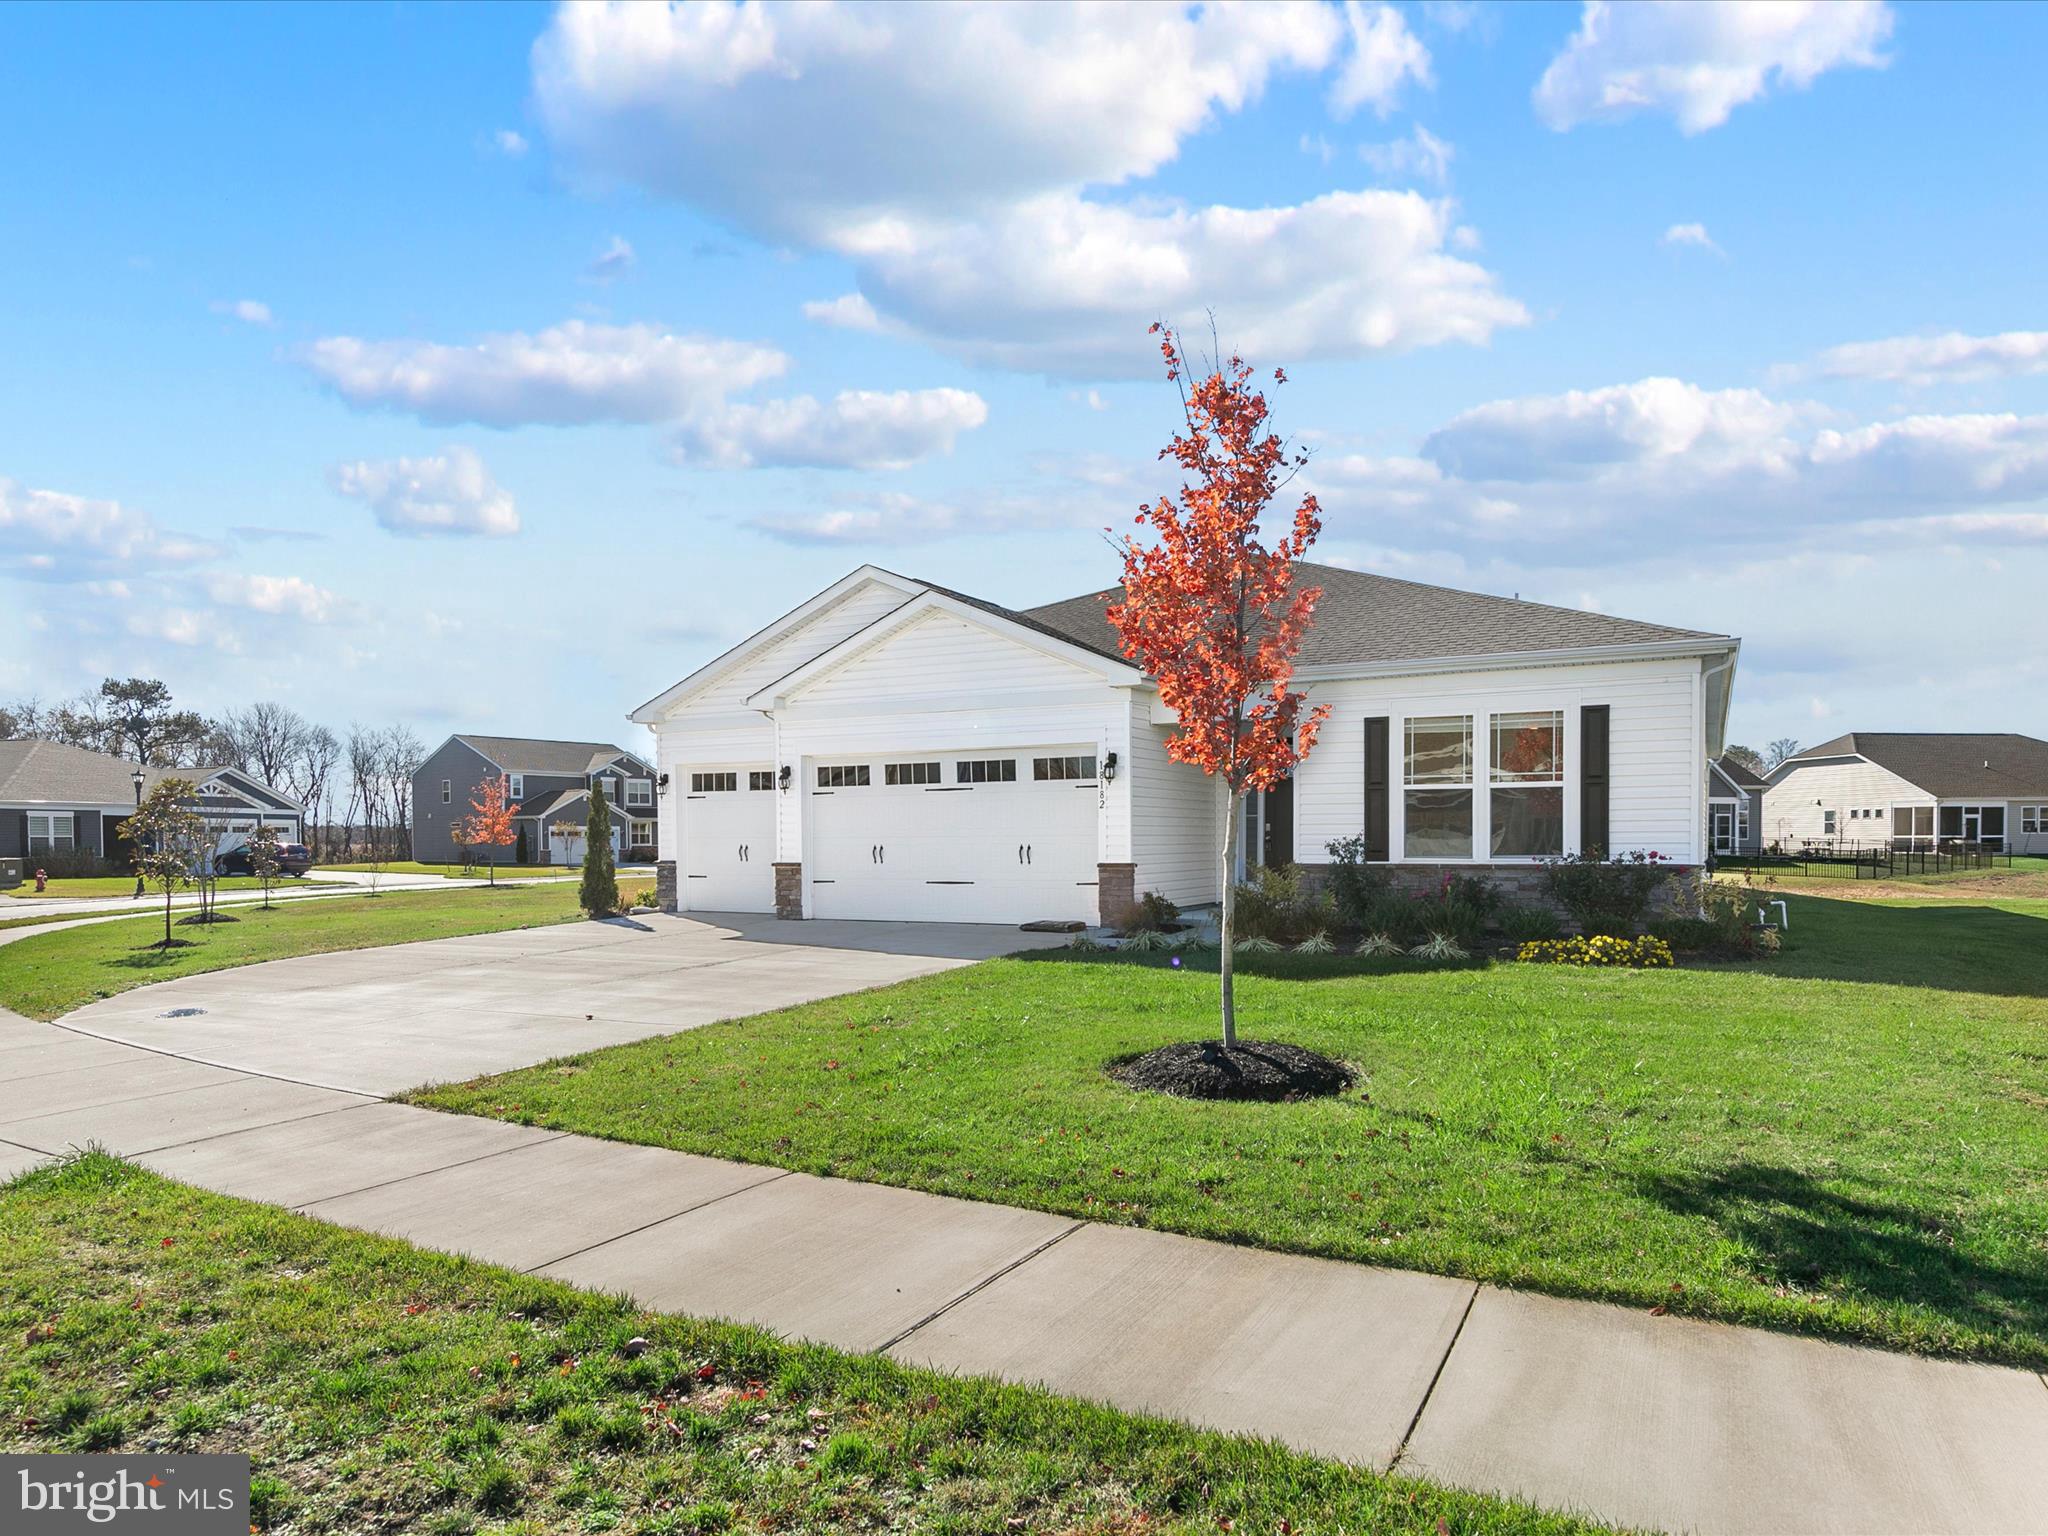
pixel 275 1090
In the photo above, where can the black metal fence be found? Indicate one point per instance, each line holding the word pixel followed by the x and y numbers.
pixel 1872 861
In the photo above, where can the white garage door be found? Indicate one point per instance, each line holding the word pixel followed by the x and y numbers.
pixel 998 837
pixel 729 839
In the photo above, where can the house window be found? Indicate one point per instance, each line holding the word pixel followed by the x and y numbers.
pixel 912 773
pixel 713 783
pixel 643 834
pixel 1742 823
pixel 515 786
pixel 761 778
pixel 2034 818
pixel 844 776
pixel 50 832
pixel 1913 821
pixel 639 792
pixel 447 791
pixel 1437 788
pixel 991 770
pixel 1526 775
pixel 1827 823
pixel 1063 767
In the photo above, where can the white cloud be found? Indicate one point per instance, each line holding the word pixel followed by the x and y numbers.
pixel 794 118
pixel 892 518
pixel 857 429
pixel 183 626
pixel 1952 356
pixel 283 596
pixel 509 142
pixel 54 536
pixel 614 261
pixel 1421 156
pixel 1384 57
pixel 1318 147
pixel 1988 458
pixel 1064 286
pixel 448 493
pixel 980 216
pixel 1690 234
pixel 848 312
pixel 1698 62
pixel 248 311
pixel 571 374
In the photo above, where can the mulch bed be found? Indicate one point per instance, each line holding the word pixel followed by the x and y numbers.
pixel 1255 1069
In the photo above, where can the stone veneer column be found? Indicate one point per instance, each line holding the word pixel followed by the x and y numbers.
pixel 665 884
pixel 789 890
pixel 1116 893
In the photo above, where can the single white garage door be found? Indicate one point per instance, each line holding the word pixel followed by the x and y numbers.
pixel 728 839
pixel 998 837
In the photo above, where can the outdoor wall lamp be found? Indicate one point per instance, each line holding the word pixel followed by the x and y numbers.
pixel 1109 769
pixel 782 775
pixel 661 785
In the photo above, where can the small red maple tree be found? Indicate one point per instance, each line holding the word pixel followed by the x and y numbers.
pixel 1213 613
pixel 490 820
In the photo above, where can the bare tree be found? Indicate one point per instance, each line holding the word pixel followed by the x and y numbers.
pixel 309 777
pixel 403 754
pixel 364 757
pixel 265 740
pixel 1778 751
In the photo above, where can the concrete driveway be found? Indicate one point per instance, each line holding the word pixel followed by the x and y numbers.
pixel 380 1021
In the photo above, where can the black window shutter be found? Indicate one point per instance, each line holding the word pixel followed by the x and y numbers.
pixel 1593 780
pixel 1377 767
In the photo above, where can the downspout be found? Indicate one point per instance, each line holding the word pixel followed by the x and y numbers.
pixel 1707 674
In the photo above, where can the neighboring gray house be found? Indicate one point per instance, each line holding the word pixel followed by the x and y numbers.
pixel 1913 789
pixel 1734 807
pixel 548 782
pixel 59 802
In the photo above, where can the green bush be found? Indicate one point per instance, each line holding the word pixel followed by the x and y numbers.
pixel 1461 907
pixel 1688 935
pixel 1154 914
pixel 1355 886
pixel 1275 905
pixel 1526 924
pixel 1607 896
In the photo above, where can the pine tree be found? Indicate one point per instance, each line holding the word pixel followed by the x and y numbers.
pixel 600 893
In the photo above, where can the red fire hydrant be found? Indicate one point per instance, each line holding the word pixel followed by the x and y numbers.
pixel 42 881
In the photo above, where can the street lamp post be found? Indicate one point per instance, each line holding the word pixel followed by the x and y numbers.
pixel 137 778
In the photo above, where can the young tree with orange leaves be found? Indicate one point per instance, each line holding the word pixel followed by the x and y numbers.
pixel 490 820
pixel 1213 613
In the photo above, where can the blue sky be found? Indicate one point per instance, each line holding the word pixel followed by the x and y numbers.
pixel 491 367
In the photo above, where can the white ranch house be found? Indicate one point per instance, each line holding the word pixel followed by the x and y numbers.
pixel 891 749
pixel 1912 789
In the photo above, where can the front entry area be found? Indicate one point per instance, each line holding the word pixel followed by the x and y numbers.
pixel 728 862
pixel 992 837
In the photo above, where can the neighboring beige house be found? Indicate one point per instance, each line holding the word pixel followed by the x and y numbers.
pixel 1915 789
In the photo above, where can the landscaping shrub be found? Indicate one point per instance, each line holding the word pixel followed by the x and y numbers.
pixel 70 864
pixel 1440 947
pixel 1528 923
pixel 1459 908
pixel 1718 921
pixel 1600 950
pixel 1607 896
pixel 1392 915
pixel 1354 885
pixel 1688 935
pixel 1154 914
pixel 1275 905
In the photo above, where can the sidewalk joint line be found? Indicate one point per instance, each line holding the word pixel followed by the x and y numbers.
pixel 420 1173
pixel 980 1285
pixel 204 1061
pixel 193 1141
pixel 689 1210
pixel 1434 1377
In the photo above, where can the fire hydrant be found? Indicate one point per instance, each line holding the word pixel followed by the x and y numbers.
pixel 42 881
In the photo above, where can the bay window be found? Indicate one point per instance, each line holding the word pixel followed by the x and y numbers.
pixel 1526 778
pixel 1437 788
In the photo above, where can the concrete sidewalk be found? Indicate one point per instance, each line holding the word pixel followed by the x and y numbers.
pixel 1644 1421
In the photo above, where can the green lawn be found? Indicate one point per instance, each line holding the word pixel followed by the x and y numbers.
pixel 101 886
pixel 52 973
pixel 1851 1139
pixel 506 871
pixel 378 1387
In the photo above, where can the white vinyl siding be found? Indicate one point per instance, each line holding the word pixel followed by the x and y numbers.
pixel 935 655
pixel 1176 817
pixel 727 693
pixel 1796 803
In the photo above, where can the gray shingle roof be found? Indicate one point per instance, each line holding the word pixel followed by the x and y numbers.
pixel 533 754
pixel 49 773
pixel 1738 775
pixel 1996 765
pixel 1365 619
pixel 555 800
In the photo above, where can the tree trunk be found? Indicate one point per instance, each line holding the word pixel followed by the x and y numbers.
pixel 167 916
pixel 1232 830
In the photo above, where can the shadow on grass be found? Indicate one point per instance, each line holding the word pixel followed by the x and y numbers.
pixel 1805 1234
pixel 1949 948
pixel 1279 967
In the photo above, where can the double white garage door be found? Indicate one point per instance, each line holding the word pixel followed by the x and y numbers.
pixel 999 837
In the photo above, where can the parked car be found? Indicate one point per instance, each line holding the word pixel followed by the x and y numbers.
pixel 293 859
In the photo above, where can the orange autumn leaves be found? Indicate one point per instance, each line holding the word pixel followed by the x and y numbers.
pixel 1209 610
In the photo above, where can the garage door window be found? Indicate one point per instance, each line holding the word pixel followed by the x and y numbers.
pixel 912 773
pixel 761 778
pixel 843 776
pixel 986 770
pixel 1043 768
pixel 713 783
